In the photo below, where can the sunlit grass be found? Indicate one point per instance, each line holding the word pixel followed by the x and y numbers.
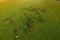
pixel 45 28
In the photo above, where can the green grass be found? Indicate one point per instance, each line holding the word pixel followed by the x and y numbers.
pixel 46 28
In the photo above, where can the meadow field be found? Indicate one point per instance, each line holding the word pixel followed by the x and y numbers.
pixel 30 20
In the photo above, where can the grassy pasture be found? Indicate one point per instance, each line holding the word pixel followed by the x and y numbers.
pixel 30 20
